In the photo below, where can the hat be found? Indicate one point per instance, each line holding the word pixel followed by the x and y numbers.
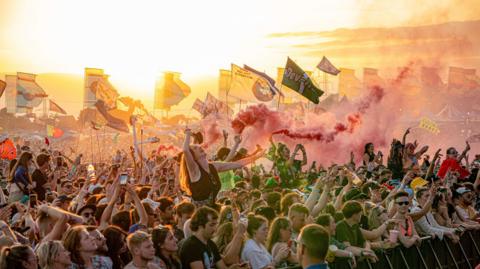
pixel 271 182
pixel 91 206
pixel 409 191
pixel 152 203
pixel 463 190
pixel 418 182
pixel 63 198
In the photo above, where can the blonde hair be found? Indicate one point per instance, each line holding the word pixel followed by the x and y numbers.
pixel 47 252
pixel 136 239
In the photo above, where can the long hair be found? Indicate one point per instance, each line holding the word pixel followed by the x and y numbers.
pixel 23 161
pixel 274 234
pixel 226 214
pixel 113 235
pixel 47 252
pixel 71 242
pixel 374 217
pixel 223 236
pixel 159 235
pixel 184 176
pixel 12 257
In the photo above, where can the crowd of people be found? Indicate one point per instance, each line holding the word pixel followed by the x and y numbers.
pixel 190 210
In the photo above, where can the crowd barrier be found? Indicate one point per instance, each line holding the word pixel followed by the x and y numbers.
pixel 432 253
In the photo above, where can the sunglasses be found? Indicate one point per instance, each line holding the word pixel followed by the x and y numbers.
pixel 403 203
pixel 68 186
pixel 87 215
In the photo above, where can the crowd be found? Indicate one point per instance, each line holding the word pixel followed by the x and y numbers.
pixel 190 210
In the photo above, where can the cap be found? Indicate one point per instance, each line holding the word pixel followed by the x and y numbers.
pixel 271 182
pixel 463 190
pixel 418 182
pixel 91 206
pixel 63 198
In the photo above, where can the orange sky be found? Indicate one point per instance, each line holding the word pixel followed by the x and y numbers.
pixel 135 41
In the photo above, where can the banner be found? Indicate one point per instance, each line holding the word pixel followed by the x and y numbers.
pixel 296 79
pixel 326 66
pixel 97 87
pixel 429 125
pixel 249 87
pixel 112 122
pixel 171 91
pixel 56 108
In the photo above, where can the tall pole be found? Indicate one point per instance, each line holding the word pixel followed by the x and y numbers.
pixel 141 154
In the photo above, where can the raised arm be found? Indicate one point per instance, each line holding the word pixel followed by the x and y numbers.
pixel 404 138
pixel 432 164
pixel 322 202
pixel 142 213
pixel 465 151
pixel 107 212
pixel 226 166
pixel 233 151
pixel 192 166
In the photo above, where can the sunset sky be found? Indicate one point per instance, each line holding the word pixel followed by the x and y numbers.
pixel 134 41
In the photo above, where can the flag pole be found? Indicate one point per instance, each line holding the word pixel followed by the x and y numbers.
pixel 91 144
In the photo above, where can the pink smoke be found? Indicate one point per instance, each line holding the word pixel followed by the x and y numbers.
pixel 353 120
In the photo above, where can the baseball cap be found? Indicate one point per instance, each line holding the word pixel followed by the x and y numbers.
pixel 463 190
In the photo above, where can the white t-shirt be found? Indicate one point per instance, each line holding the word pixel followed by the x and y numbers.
pixel 256 254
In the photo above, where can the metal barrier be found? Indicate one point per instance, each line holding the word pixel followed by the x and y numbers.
pixel 430 254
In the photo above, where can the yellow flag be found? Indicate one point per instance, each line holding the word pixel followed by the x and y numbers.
pixel 429 125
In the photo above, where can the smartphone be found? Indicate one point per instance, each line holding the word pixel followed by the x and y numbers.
pixel 33 200
pixel 123 178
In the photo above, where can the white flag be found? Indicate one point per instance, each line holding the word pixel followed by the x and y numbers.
pixel 326 66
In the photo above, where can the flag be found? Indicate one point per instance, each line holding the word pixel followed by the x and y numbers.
pixel 249 86
pixel 54 132
pixel 56 108
pixel 296 79
pixel 8 149
pixel 429 125
pixel 47 142
pixel 97 87
pixel 112 122
pixel 170 91
pixel 326 66
pixel 28 93
pixel 199 106
pixel 213 105
pixel 3 85
pixel 271 81
pixel 463 79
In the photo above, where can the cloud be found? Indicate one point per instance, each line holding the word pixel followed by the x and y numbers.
pixel 439 44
